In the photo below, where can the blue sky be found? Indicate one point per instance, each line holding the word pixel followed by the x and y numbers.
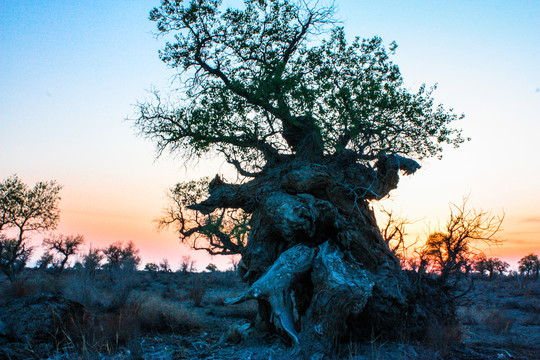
pixel 71 72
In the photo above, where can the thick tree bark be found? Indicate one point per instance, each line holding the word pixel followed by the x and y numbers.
pixel 315 258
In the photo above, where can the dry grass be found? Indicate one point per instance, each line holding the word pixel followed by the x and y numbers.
pixel 196 294
pixel 501 319
pixel 169 316
pixel 499 322
pixel 156 314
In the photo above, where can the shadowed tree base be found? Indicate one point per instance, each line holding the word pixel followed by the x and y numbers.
pixel 315 258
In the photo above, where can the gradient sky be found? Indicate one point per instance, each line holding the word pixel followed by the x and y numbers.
pixel 71 72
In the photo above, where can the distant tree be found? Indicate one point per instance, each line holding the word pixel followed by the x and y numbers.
pixel 164 266
pixel 500 266
pixel 64 246
pixel 151 267
pixel 24 210
pixel 235 262
pixel 529 265
pixel 187 265
pixel 45 260
pixel 120 257
pixel 449 251
pixel 491 265
pixel 91 261
pixel 211 267
pixel 480 264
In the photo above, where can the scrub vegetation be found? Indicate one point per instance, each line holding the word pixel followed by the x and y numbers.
pixel 92 303
pixel 128 314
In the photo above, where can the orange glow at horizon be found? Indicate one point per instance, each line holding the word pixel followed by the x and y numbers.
pixel 519 236
pixel 103 223
pixel 63 115
pixel 103 229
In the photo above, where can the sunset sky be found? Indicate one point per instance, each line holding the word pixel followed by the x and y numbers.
pixel 71 72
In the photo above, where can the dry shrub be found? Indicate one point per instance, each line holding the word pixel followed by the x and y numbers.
pixel 82 289
pixel 43 321
pixel 170 292
pixel 469 316
pixel 24 287
pixel 235 334
pixel 531 305
pixel 106 331
pixel 526 287
pixel 531 320
pixel 443 337
pixel 102 297
pixel 103 332
pixel 217 300
pixel 498 322
pixel 20 288
pixel 247 310
pixel 223 279
pixel 196 294
pixel 160 315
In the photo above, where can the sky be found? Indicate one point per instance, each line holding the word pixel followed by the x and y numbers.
pixel 71 73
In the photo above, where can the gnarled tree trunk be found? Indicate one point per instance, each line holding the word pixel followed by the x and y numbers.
pixel 315 258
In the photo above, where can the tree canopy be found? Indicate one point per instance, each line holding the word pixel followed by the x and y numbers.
pixel 279 77
pixel 24 209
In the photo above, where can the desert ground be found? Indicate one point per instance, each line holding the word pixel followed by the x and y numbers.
pixel 167 315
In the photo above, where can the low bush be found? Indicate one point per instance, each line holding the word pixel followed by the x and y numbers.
pixel 235 334
pixel 196 293
pixel 159 315
pixel 499 322
pixel 20 288
pixel 527 305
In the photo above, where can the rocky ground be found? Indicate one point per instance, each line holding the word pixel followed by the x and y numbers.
pixel 142 315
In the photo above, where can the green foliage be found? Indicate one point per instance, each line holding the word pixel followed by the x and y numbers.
pixel 190 192
pixel 29 209
pixel 223 231
pixel 211 267
pixel 255 78
pixel 24 209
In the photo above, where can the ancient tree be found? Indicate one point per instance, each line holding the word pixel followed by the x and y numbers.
pixel 317 128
